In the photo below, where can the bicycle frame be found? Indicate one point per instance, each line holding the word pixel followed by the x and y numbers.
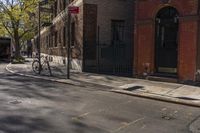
pixel 43 60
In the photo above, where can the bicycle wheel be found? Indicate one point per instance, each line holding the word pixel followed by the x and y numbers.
pixel 36 66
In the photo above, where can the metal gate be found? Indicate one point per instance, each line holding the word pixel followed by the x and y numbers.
pixel 114 57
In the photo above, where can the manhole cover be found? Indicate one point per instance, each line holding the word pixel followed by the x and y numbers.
pixel 15 102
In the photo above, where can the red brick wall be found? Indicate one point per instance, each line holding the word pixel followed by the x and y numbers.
pixel 145 47
pixel 187 50
pixel 149 8
pixel 145 40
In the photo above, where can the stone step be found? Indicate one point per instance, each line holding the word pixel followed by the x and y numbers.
pixel 162 79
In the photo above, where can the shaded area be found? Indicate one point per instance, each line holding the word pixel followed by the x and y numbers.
pixel 30 88
pixel 34 106
pixel 20 124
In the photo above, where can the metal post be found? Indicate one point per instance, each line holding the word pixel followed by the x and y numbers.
pixel 39 59
pixel 69 45
pixel 98 49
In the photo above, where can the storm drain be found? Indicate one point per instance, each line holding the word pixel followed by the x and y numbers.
pixel 135 88
pixel 15 102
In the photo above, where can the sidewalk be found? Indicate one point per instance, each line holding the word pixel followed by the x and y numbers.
pixel 170 92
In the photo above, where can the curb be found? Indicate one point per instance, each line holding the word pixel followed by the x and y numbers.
pixel 159 98
pixel 63 81
pixel 70 82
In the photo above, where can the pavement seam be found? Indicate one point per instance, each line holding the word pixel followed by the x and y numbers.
pixel 127 124
pixel 173 90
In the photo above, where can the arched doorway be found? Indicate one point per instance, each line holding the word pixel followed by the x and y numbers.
pixel 166 36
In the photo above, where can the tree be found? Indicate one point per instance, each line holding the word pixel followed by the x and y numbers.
pixel 15 16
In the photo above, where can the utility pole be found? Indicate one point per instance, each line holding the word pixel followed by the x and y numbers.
pixel 70 10
pixel 68 45
pixel 39 59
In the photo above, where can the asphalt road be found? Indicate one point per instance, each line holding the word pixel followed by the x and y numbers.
pixel 30 105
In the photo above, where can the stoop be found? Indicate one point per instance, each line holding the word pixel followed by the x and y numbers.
pixel 162 79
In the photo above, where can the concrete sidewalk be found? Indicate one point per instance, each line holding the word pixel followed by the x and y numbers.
pixel 171 92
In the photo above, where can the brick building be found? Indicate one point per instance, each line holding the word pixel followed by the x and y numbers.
pixel 167 38
pixel 128 37
pixel 101 36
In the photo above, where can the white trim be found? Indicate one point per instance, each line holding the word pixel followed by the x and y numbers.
pixel 75 63
pixel 77 2
pixel 60 16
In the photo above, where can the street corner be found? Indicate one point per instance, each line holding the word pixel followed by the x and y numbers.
pixel 24 70
pixel 9 68
pixel 15 68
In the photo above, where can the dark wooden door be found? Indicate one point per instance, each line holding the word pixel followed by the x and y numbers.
pixel 166 43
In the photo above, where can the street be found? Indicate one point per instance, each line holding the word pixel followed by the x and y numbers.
pixel 29 105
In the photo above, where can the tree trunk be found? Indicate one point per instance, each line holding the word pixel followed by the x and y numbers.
pixel 17 48
pixel 17 44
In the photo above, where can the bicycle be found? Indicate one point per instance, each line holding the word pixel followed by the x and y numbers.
pixel 37 68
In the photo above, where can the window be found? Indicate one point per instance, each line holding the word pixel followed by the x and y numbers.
pixel 118 30
pixel 50 41
pixel 55 39
pixel 59 37
pixel 64 4
pixel 64 37
pixel 41 42
pixel 60 5
pixel 55 8
pixel 47 41
pixel 72 34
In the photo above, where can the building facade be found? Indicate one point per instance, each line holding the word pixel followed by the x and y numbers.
pixel 101 36
pixel 167 38
pixel 128 37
